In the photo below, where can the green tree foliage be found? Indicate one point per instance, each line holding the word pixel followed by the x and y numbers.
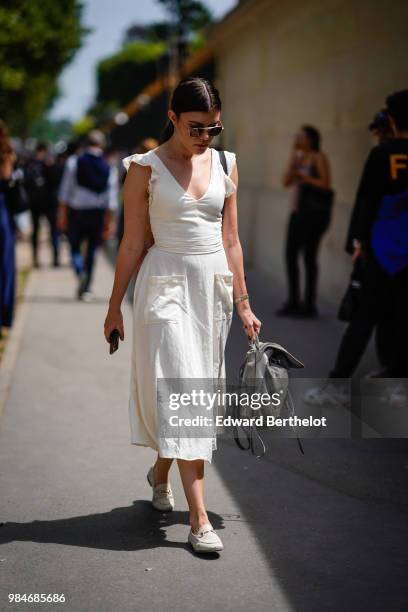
pixel 51 131
pixel 83 126
pixel 187 15
pixel 185 28
pixel 122 76
pixel 37 39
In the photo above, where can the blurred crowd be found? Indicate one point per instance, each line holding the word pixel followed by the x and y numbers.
pixel 72 190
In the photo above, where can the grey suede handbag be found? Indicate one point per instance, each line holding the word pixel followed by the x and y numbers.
pixel 265 370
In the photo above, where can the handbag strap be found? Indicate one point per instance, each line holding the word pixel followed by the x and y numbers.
pixel 223 161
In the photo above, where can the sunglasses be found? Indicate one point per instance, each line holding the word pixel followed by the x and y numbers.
pixel 198 132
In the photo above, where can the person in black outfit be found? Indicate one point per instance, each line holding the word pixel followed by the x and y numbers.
pixel 42 201
pixel 384 292
pixel 307 165
pixel 381 129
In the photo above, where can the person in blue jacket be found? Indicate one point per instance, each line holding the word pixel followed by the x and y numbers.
pixel 7 232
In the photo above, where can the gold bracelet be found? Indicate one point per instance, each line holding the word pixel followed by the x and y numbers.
pixel 240 298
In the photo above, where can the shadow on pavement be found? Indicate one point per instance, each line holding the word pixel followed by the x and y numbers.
pixel 326 549
pixel 130 528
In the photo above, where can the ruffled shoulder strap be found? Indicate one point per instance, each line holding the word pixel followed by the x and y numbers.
pixel 231 160
pixel 143 159
pixel 230 186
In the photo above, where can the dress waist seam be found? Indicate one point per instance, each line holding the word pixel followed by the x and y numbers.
pixel 220 248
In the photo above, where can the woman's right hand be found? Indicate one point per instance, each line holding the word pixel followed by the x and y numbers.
pixel 114 320
pixel 250 323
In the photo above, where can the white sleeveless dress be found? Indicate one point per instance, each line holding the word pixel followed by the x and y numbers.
pixel 183 300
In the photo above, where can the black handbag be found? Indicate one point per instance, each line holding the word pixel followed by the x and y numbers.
pixel 17 200
pixel 350 304
pixel 313 199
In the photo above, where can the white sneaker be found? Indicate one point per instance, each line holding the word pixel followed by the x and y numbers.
pixel 329 394
pixel 163 499
pixel 205 540
pixel 87 296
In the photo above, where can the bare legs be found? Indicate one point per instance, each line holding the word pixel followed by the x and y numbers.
pixel 192 478
pixel 161 470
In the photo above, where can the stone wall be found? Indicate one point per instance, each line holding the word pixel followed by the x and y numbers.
pixel 281 64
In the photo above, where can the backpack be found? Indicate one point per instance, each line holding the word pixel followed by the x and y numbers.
pixel 17 199
pixel 93 172
pixel 265 370
pixel 389 234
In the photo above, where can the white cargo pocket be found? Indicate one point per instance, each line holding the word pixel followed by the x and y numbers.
pixel 223 296
pixel 223 310
pixel 166 299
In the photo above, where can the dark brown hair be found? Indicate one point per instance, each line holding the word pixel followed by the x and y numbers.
pixel 397 105
pixel 192 94
pixel 313 135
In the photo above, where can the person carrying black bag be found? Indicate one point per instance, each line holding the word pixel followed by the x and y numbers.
pixel 379 235
pixel 309 173
pixel 354 305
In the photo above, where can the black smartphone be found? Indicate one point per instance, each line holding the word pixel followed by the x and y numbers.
pixel 114 341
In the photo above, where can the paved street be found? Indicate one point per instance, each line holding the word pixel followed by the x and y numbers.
pixel 324 531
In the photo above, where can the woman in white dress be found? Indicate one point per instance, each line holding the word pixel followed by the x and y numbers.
pixel 181 239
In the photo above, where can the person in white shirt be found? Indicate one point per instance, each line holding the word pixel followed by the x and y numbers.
pixel 88 198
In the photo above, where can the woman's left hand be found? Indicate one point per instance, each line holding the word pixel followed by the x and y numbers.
pixel 250 323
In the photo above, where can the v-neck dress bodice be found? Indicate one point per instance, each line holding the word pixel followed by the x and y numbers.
pixel 182 303
pixel 179 222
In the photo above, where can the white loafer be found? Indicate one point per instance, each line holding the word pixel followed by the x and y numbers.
pixel 163 499
pixel 205 540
